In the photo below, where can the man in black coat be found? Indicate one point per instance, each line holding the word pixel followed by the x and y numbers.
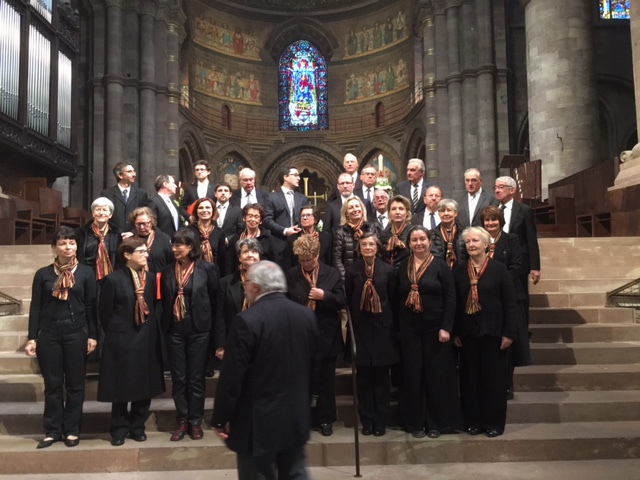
pixel 201 188
pixel 415 187
pixel 334 207
pixel 247 193
pixel 262 400
pixel 229 217
pixel 124 195
pixel 475 198
pixel 170 217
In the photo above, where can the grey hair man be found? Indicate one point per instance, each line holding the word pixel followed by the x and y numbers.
pixel 474 200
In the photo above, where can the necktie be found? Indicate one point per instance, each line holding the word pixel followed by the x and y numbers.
pixel 368 195
pixel 414 197
pixel 290 204
pixel 125 195
pixel 381 219
pixel 433 221
pixel 220 217
pixel 502 207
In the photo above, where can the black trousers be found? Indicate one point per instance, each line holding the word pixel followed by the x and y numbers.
pixel 124 421
pixel 429 397
pixel 374 395
pixel 324 386
pixel 62 355
pixel 187 350
pixel 483 382
pixel 288 464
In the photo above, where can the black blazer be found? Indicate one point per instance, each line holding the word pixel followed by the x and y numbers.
pixel 330 343
pixel 332 215
pixel 371 212
pixel 137 198
pixel 276 212
pixel 160 252
pixel 88 245
pixel 264 381
pixel 163 214
pixel 326 249
pixel 523 225
pixel 508 253
pixel 236 197
pixel 398 255
pixel 81 304
pixel 270 251
pixel 229 305
pixel 131 359
pixel 404 189
pixel 233 222
pixel 485 200
pixel 216 240
pixel 496 295
pixel 191 195
pixel 204 295
pixel 439 247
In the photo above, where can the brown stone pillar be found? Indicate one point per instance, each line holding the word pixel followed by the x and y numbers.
pixel 113 85
pixel 147 168
pixel 563 104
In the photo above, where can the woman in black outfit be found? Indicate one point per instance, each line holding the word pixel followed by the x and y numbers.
pixel 62 332
pixel 447 240
pixel 484 329
pixel 158 243
pixel 211 238
pixel 252 214
pixel 505 248
pixel 429 395
pixel 353 225
pixel 309 219
pixel 394 238
pixel 131 363
pixel 319 286
pixel 371 291
pixel 189 291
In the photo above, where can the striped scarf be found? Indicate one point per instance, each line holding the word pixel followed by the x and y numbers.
pixel 66 280
pixel 206 231
pixel 139 282
pixel 449 238
pixel 357 229
pixel 395 243
pixel 414 301
pixel 492 245
pixel 473 302
pixel 313 231
pixel 245 234
pixel 370 301
pixel 182 278
pixel 103 262
pixel 312 278
pixel 243 278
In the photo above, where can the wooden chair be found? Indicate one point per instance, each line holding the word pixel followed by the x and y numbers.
pixel 42 229
pixel 13 229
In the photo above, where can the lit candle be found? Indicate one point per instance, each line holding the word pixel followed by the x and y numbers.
pixel 380 165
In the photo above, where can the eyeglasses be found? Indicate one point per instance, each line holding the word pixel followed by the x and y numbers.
pixel 368 173
pixel 345 183
pixel 252 215
pixel 142 224
pixel 293 174
pixel 141 251
pixel 306 215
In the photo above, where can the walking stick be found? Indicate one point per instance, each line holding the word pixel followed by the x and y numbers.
pixel 356 438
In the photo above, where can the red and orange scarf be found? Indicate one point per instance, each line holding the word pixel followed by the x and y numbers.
pixel 473 302
pixel 182 278
pixel 103 262
pixel 414 301
pixel 370 300
pixel 66 280
pixel 139 282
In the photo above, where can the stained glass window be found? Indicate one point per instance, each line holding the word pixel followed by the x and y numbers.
pixel 614 9
pixel 302 99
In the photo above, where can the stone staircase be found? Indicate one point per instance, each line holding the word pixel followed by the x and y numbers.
pixel 580 401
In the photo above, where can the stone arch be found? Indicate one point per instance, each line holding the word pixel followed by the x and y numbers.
pixel 304 28
pixel 366 151
pixel 414 146
pixel 192 148
pixel 244 152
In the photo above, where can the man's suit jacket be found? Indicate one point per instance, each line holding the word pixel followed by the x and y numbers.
pixel 191 195
pixel 523 225
pixel 233 221
pixel 163 214
pixel 276 212
pixel 236 197
pixel 263 390
pixel 229 305
pixel 463 209
pixel 371 212
pixel 122 210
pixel 332 215
pixel 404 189
pixel 419 219
pixel 335 193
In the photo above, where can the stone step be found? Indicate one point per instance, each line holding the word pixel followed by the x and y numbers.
pixel 581 315
pixel 565 300
pixel 584 353
pixel 520 443
pixel 14 323
pixel 16 279
pixel 12 341
pixel 578 285
pixel 571 333
pixel 554 378
pixel 595 243
pixel 605 271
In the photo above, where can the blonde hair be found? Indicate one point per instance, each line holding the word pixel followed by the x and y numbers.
pixel 345 205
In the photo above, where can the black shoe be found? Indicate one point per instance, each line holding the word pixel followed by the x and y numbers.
pixel 433 434
pixel 72 442
pixel 47 442
pixel 140 437
pixel 474 431
pixel 510 395
pixel 418 434
pixel 367 431
pixel 326 429
pixel 492 432
pixel 117 442
pixel 378 432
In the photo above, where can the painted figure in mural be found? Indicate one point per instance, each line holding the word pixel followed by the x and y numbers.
pixel 400 25
pixel 352 87
pixel 388 32
pixel 238 42
pixel 390 79
pixel 226 36
pixel 377 36
pixel 352 43
pixel 253 87
pixel 363 40
pixel 378 82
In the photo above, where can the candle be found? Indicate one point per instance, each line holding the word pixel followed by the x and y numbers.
pixel 380 165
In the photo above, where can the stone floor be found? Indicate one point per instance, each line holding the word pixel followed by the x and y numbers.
pixel 585 470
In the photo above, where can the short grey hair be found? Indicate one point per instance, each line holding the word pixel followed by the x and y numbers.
pixel 418 162
pixel 507 181
pixel 472 170
pixel 486 238
pixel 446 203
pixel 268 276
pixel 253 244
pixel 102 202
pixel 247 171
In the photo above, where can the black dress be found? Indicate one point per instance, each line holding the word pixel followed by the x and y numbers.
pixel 429 394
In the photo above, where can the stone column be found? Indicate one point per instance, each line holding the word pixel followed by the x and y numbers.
pixel 456 156
pixel 160 34
pixel 430 106
pixel 147 168
pixel 173 96
pixel 114 85
pixel 563 103
pixel 468 63
pixel 99 176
